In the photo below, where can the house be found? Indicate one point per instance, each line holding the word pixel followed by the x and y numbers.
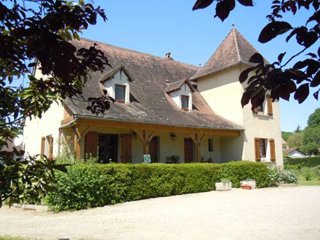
pixel 294 153
pixel 163 108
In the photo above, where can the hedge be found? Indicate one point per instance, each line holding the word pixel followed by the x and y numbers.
pixel 297 163
pixel 93 185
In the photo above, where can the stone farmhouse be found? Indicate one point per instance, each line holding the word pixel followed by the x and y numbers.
pixel 168 110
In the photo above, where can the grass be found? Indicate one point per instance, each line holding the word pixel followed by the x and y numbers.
pixel 312 182
pixel 307 170
pixel 11 238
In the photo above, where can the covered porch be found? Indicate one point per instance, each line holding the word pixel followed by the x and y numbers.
pixel 129 142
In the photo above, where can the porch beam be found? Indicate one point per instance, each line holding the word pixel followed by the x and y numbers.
pixel 158 127
pixel 85 131
pixel 145 138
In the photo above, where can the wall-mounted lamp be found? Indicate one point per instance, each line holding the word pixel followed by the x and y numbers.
pixel 173 136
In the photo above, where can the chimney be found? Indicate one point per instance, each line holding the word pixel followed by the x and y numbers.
pixel 168 56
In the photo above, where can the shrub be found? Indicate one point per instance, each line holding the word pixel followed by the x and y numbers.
pixel 286 176
pixel 274 175
pixel 93 185
pixel 306 173
pixel 89 185
pixel 281 176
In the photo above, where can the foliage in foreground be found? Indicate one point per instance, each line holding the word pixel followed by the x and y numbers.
pixel 26 179
pixel 94 185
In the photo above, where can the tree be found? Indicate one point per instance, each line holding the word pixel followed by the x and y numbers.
pixel 286 135
pixel 295 140
pixel 278 79
pixel 311 140
pixel 311 134
pixel 41 33
pixel 314 118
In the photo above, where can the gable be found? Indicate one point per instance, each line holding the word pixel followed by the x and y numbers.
pixel 117 85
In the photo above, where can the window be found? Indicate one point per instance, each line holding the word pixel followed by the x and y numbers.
pixel 210 145
pixel 47 146
pixel 259 108
pixel 120 93
pixel 263 148
pixel 185 102
pixel 265 108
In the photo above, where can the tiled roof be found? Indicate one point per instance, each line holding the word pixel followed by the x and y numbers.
pixel 149 101
pixel 233 50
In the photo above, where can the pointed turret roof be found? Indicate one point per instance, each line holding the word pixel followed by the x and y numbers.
pixel 233 50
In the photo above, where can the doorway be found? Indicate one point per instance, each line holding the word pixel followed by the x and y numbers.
pixel 154 149
pixel 188 150
pixel 108 148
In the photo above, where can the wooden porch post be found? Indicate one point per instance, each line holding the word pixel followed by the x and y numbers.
pixel 197 139
pixel 77 142
pixel 145 138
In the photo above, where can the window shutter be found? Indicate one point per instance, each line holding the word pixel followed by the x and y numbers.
pixel 91 144
pixel 272 150
pixel 43 142
pixel 50 140
pixel 269 105
pixel 257 149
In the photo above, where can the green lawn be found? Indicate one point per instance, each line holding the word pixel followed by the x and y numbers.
pixel 305 168
pixel 11 238
pixel 313 182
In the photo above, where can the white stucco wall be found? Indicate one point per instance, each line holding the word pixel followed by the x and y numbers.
pixel 223 92
pixel 176 96
pixel 36 128
pixel 119 78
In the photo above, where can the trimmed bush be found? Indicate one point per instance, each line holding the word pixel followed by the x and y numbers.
pixel 94 185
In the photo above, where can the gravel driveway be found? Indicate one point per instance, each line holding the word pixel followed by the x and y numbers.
pixel 272 213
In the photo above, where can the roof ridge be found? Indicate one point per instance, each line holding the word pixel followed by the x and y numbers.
pixel 236 43
pixel 137 52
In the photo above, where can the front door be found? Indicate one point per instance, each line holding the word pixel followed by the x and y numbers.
pixel 108 148
pixel 188 150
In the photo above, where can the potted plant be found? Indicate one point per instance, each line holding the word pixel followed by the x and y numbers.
pixel 224 185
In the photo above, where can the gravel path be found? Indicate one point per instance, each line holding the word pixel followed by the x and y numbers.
pixel 272 213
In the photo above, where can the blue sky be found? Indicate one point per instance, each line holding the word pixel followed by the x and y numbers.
pixel 158 27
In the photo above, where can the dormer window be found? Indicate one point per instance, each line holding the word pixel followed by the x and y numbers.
pixel 181 94
pixel 185 102
pixel 117 84
pixel 120 93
